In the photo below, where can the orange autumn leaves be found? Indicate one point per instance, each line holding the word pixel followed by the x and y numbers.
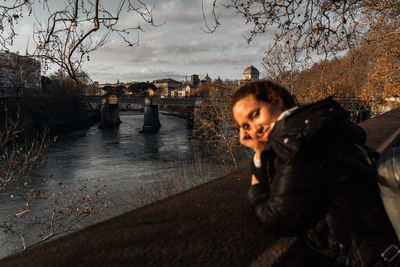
pixel 370 71
pixel 383 79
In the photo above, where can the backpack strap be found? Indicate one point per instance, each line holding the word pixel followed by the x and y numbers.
pixel 369 155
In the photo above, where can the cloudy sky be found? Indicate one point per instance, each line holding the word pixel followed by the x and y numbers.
pixel 177 48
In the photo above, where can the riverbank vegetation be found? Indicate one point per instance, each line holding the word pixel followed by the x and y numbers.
pixel 59 83
pixel 213 125
pixel 21 156
pixel 204 167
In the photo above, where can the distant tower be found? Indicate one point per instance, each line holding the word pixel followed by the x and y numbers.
pixel 207 78
pixel 194 79
pixel 251 73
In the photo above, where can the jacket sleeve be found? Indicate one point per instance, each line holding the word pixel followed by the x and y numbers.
pixel 290 204
pixel 262 173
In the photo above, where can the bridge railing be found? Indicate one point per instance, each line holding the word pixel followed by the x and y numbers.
pixel 141 100
pixel 174 101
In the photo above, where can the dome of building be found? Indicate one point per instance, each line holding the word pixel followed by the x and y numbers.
pixel 251 71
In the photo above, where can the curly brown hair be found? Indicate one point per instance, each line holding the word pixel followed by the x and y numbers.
pixel 264 91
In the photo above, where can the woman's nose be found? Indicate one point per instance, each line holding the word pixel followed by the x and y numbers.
pixel 255 131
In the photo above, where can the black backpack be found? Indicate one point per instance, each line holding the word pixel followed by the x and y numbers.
pixel 384 164
pixel 388 167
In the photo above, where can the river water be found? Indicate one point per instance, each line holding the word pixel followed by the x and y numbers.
pixel 131 169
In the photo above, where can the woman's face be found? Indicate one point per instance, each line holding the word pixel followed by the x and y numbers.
pixel 255 118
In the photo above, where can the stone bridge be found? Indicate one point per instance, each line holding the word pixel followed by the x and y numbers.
pixel 141 100
pixel 110 108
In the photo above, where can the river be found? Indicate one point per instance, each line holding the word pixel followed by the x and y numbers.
pixel 129 169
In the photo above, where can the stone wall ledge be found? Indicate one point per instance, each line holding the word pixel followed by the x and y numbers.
pixel 210 225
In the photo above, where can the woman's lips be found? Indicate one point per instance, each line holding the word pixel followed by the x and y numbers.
pixel 264 134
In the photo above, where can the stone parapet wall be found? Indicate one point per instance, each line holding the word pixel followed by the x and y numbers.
pixel 210 225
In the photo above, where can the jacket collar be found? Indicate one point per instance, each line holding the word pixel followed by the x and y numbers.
pixel 283 115
pixel 300 124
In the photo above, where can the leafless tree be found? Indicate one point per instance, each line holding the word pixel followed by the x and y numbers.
pixel 18 158
pixel 66 37
pixel 323 27
pixel 282 64
pixel 214 124
pixel 70 210
pixel 10 13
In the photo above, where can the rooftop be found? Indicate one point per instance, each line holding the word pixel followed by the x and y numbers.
pixel 251 70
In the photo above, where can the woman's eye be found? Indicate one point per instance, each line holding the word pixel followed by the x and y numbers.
pixel 245 126
pixel 254 114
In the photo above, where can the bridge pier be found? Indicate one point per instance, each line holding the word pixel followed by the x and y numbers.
pixel 151 122
pixel 197 115
pixel 109 112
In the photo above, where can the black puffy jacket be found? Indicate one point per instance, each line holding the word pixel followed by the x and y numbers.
pixel 313 184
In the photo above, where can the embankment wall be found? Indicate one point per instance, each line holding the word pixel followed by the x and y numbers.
pixel 54 113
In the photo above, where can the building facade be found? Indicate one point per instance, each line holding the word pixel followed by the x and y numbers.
pixel 167 87
pixel 18 74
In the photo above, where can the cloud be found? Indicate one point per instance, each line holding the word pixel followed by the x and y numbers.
pixel 183 12
pixel 100 67
pixel 177 48
pixel 240 60
pixel 143 74
pixel 166 52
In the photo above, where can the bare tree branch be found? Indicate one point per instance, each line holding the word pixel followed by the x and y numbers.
pixel 320 27
pixel 67 36
pixel 213 28
pixel 10 14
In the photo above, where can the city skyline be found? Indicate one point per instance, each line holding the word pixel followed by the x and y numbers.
pixel 177 48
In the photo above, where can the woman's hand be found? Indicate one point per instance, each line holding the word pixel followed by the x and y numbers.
pixel 257 145
pixel 254 180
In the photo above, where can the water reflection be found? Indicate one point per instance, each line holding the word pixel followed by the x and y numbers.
pixel 151 149
pixel 120 158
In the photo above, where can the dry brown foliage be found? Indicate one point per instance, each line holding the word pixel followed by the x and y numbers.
pixel 18 157
pixel 383 48
pixel 31 219
pixel 370 72
pixel 213 125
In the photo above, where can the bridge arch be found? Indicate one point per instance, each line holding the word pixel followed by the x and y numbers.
pixel 151 123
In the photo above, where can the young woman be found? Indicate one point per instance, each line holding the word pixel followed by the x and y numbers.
pixel 308 176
